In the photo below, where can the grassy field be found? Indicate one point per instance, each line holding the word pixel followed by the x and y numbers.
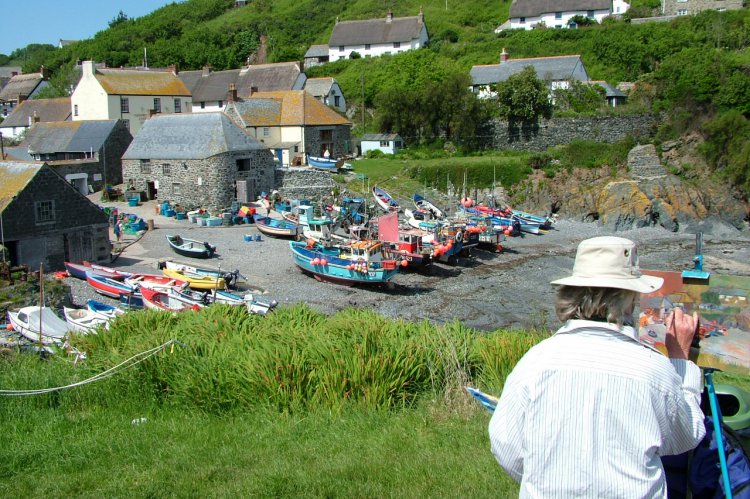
pixel 293 404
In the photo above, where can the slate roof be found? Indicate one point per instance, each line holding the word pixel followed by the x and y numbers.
pixel 533 8
pixel 400 29
pixel 7 71
pixel 68 136
pixel 16 176
pixel 377 137
pixel 316 51
pixel 211 86
pixel 20 85
pixel 46 109
pixel 189 136
pixel 319 87
pixel 286 108
pixel 610 90
pixel 140 82
pixel 556 68
pixel 269 78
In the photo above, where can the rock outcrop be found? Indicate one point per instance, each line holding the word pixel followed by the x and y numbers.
pixel 645 194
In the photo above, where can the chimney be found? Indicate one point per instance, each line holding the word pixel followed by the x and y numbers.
pixel 172 68
pixel 43 71
pixel 87 68
pixel 503 56
pixel 206 70
pixel 34 119
pixel 13 73
pixel 420 17
pixel 232 94
pixel 389 16
pixel 21 98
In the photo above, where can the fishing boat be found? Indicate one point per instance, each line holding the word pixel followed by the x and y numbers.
pixel 402 243
pixel 357 262
pixel 422 203
pixel 544 223
pixel 385 200
pixel 79 270
pixel 84 320
pixel 190 247
pixel 40 323
pixel 328 164
pixel 108 287
pixel 155 281
pixel 314 227
pixel 104 310
pixel 248 300
pixel 101 268
pixel 163 300
pixel 195 281
pixel 231 278
pixel 276 227
pixel 132 301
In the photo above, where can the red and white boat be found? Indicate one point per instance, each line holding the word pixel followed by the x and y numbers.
pixel 79 270
pixel 107 286
pixel 163 300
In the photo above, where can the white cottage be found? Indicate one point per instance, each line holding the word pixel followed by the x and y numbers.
pixel 376 37
pixel 389 143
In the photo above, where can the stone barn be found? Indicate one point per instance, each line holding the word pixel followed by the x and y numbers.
pixel 45 220
pixel 197 161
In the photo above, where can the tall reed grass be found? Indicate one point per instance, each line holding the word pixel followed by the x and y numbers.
pixel 293 360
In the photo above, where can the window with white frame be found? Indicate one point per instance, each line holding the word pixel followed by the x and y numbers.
pixel 590 14
pixel 266 131
pixel 341 48
pixel 127 124
pixel 383 143
pixel 176 189
pixel 145 166
pixel 75 109
pixel 166 169
pixel 157 104
pixel 367 46
pixel 336 100
pixel 44 211
pixel 682 12
pixel 558 15
pixel 396 45
pixel 522 20
pixel 177 106
pixel 124 105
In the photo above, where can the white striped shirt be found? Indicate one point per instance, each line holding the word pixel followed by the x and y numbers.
pixel 588 412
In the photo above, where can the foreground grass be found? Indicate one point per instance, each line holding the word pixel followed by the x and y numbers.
pixel 421 452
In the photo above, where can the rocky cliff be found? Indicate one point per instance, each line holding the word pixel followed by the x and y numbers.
pixel 642 194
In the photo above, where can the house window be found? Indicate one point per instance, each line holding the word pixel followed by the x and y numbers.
pixel 681 12
pixel 296 148
pixel 176 189
pixel 326 135
pixel 558 15
pixel 165 169
pixel 522 20
pixel 221 103
pixel 383 143
pixel 124 105
pixel 590 14
pixel 127 124
pixel 367 46
pixel 203 105
pixel 396 45
pixel 177 106
pixel 341 48
pixel 44 211
pixel 145 166
pixel 75 110
pixel 157 105
pixel 336 100
pixel 266 132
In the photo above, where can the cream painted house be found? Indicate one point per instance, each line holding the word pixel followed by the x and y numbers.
pixel 131 95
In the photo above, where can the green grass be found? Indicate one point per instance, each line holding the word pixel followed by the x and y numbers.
pixel 425 452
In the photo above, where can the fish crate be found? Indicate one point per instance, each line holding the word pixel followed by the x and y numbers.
pixel 214 221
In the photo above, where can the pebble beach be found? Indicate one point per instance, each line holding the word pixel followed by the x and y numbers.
pixel 485 291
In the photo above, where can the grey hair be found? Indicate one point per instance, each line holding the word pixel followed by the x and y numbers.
pixel 610 304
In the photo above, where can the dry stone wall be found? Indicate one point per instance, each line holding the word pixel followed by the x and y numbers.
pixel 304 183
pixel 561 131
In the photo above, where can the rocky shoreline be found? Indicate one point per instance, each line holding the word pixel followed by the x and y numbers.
pixel 486 291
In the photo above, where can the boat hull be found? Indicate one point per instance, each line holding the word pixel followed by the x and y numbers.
pixel 276 228
pixel 190 247
pixel 27 321
pixel 108 287
pixel 336 270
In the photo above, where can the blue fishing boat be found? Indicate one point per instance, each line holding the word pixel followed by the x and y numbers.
pixel 317 228
pixel 356 262
pixel 328 164
pixel 276 227
pixel 108 287
pixel 422 203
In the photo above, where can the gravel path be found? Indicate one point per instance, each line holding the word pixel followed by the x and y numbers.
pixel 485 291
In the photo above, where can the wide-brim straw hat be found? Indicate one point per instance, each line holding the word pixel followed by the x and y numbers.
pixel 609 262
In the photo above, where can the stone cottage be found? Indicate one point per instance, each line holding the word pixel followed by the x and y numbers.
pixel 197 161
pixel 45 220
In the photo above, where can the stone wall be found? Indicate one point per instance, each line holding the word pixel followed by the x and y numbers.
pixel 304 183
pixel 692 7
pixel 341 138
pixel 203 183
pixel 560 131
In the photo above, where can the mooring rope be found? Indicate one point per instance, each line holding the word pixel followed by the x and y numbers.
pixel 135 359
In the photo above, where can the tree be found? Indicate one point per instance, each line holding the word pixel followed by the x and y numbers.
pixel 120 18
pixel 523 98
pixel 579 97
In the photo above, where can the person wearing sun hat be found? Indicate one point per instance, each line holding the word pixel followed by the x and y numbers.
pixel 589 411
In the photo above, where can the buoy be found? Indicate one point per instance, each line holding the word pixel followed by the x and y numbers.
pixel 507 232
pixel 350 266
pixel 315 261
pixel 323 261
pixel 500 248
pixel 9 327
pixel 404 263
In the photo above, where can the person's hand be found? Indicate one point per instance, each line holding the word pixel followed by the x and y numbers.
pixel 680 331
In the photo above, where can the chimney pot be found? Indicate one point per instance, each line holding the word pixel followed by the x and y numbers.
pixel 389 16
pixel 503 56
pixel 173 69
pixel 206 70
pixel 232 94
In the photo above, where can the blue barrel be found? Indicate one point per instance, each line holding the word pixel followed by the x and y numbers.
pixel 248 237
